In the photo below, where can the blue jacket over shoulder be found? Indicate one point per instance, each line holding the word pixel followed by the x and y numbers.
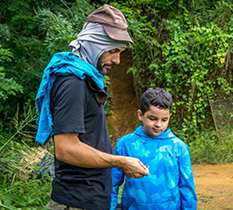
pixel 61 64
pixel 169 185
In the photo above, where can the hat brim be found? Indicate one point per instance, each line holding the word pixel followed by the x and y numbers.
pixel 118 34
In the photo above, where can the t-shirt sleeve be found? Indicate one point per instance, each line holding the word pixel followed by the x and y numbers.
pixel 68 98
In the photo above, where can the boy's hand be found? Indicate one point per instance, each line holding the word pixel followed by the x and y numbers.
pixel 134 168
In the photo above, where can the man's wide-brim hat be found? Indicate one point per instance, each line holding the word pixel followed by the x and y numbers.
pixel 113 22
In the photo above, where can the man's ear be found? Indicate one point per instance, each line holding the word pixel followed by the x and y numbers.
pixel 140 115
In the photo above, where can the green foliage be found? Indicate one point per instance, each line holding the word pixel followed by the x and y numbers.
pixel 207 149
pixel 27 194
pixel 33 31
pixel 22 127
pixel 9 144
pixel 7 85
pixel 195 61
pixel 109 103
pixel 186 49
pixel 18 191
pixel 62 26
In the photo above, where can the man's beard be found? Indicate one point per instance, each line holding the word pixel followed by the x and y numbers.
pixel 101 68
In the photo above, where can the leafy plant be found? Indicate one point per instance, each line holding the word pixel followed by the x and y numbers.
pixel 186 49
pixel 33 31
pixel 7 85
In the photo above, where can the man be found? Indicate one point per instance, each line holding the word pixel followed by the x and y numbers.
pixel 73 88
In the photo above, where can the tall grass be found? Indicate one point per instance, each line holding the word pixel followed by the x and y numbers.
pixel 18 187
pixel 209 149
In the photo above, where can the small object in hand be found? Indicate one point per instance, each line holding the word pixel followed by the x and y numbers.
pixel 147 169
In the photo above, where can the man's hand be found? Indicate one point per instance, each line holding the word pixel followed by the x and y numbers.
pixel 134 168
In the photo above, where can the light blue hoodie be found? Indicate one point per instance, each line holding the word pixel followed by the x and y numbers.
pixel 63 63
pixel 170 183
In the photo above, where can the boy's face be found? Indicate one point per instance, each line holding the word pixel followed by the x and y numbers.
pixel 155 121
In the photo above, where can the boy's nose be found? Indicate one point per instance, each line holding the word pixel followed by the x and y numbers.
pixel 158 124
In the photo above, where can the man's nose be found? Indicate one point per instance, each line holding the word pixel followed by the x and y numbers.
pixel 116 58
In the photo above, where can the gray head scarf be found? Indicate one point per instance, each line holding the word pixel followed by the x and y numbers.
pixel 92 42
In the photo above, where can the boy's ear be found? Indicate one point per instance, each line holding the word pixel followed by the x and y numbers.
pixel 140 115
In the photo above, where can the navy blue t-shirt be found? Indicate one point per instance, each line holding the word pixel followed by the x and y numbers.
pixel 75 109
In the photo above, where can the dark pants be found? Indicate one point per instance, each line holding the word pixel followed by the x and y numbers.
pixel 118 207
pixel 57 206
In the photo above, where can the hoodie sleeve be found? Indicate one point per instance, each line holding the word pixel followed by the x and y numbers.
pixel 117 180
pixel 186 182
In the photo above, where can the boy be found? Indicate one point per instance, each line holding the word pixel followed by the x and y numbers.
pixel 170 183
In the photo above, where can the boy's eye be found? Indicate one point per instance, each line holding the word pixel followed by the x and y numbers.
pixel 154 119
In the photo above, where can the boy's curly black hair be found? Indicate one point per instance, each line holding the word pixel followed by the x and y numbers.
pixel 155 96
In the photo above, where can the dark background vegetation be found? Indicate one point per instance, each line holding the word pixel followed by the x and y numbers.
pixel 183 46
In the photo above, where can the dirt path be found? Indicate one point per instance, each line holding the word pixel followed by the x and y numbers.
pixel 214 186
